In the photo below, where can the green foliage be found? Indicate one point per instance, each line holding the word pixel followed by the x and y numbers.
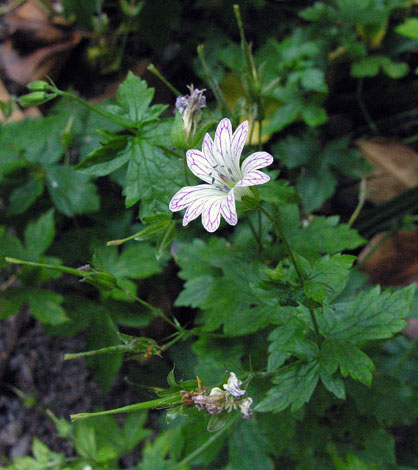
pixel 275 299
pixel 371 66
pixel 408 28
pixel 321 165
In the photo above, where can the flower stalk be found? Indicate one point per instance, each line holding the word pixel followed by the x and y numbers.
pixel 299 272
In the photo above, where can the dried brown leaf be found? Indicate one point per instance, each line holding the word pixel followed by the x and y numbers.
pixel 395 168
pixel 391 259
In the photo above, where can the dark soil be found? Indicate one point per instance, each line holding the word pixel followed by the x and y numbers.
pixel 32 365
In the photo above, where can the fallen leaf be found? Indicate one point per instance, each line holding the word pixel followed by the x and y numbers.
pixel 46 61
pixel 395 168
pixel 391 259
pixel 33 18
pixel 37 44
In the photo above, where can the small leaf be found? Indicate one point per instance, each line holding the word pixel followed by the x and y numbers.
pixel 40 234
pixel 334 385
pixel 349 358
pixel 409 28
pixel 25 196
pixel 218 421
pixel 45 306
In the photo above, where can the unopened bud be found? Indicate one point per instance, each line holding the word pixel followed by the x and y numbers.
pixel 189 108
pixel 34 99
pixel 39 85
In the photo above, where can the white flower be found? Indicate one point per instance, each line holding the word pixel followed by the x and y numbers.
pixel 244 406
pixel 233 386
pixel 218 164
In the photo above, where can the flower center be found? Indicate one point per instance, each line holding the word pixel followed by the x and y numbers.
pixel 223 177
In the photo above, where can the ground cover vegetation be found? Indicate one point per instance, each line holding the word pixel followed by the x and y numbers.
pixel 204 245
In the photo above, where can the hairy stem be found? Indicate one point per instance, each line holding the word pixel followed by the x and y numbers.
pixel 299 272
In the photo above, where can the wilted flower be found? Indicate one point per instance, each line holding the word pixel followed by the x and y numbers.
pixel 212 403
pixel 222 400
pixel 233 386
pixel 218 164
pixel 244 406
pixel 189 107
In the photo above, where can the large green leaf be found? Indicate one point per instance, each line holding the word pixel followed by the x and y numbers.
pixel 248 448
pixel 152 176
pixel 71 192
pixel 294 386
pixel 371 315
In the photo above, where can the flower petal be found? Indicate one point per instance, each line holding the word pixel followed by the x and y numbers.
pixel 253 178
pixel 211 215
pixel 238 141
pixel 255 161
pixel 185 196
pixel 194 210
pixel 222 150
pixel 223 138
pixel 199 165
pixel 207 149
pixel 228 209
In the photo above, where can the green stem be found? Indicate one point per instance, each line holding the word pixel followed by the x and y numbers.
pixel 364 109
pixel 212 81
pixel 252 124
pixel 205 445
pixel 151 68
pixel 260 127
pixel 145 405
pixel 118 119
pixel 299 272
pixel 155 310
pixel 79 273
pixel 244 45
pixel 255 235
pixel 361 200
pixel 282 237
pixel 185 170
pixel 63 269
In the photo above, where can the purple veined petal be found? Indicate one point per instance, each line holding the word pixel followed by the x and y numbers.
pixel 185 196
pixel 228 209
pixel 199 165
pixel 253 178
pixel 255 161
pixel 207 149
pixel 223 140
pixel 211 215
pixel 194 210
pixel 238 141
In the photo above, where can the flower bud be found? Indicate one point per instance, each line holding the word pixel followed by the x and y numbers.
pixel 34 99
pixel 178 134
pixel 39 85
pixel 189 109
